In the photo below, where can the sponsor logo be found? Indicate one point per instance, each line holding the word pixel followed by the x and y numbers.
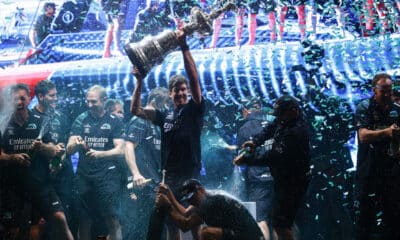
pixel 105 126
pixel 31 126
pixel 68 17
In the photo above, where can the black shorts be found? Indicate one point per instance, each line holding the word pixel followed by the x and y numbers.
pixel 63 183
pixel 46 200
pixel 100 192
pixel 15 204
pixel 288 197
pixel 291 2
pixel 267 5
pixel 262 194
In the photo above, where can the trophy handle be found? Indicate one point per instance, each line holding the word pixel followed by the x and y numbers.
pixel 201 22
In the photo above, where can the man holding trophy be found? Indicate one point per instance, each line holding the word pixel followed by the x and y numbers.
pixel 180 131
pixel 181 126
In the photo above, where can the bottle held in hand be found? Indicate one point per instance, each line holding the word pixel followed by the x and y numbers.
pixel 56 163
pixel 239 159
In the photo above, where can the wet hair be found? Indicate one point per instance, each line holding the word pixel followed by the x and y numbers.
pixel 43 87
pixel 111 103
pixel 175 81
pixel 188 188
pixel 160 96
pixel 284 103
pixel 20 86
pixel 49 4
pixel 379 77
pixel 97 88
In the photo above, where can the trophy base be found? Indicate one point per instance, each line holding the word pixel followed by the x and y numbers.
pixel 135 60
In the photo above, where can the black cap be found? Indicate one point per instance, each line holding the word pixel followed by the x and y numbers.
pixel 285 102
pixel 189 187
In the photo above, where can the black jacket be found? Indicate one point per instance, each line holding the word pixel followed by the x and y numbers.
pixel 284 148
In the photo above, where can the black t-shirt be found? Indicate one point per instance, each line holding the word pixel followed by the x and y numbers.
pixel 254 125
pixel 221 211
pixel 373 158
pixel 147 138
pixel 180 140
pixel 18 139
pixel 284 148
pixel 57 125
pixel 43 27
pixel 98 134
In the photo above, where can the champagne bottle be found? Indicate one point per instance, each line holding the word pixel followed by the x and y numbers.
pixel 56 163
pixel 239 159
pixel 145 183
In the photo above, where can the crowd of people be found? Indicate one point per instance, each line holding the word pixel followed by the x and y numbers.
pixel 295 159
pixel 359 18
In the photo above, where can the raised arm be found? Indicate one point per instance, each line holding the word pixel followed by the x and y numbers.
pixel 185 219
pixel 136 103
pixel 190 68
pixel 32 37
pixel 183 222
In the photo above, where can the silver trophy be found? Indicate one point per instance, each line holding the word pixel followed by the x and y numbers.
pixel 151 51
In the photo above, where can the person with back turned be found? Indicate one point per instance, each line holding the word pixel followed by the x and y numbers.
pixel 285 147
pixel 180 126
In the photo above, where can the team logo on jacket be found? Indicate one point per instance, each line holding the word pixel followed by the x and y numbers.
pixel 10 131
pixel 55 124
pixel 268 144
pixel 86 128
pixel 105 126
pixel 393 114
pixel 31 126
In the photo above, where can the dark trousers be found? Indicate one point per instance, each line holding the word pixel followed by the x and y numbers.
pixel 379 205
pixel 327 215
pixel 159 216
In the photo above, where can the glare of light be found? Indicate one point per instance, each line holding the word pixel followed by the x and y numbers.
pixel 271 67
pixel 253 53
pixel 285 76
pixel 298 60
pixel 201 70
pixel 259 66
pixel 157 72
pixel 235 68
pixel 226 81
